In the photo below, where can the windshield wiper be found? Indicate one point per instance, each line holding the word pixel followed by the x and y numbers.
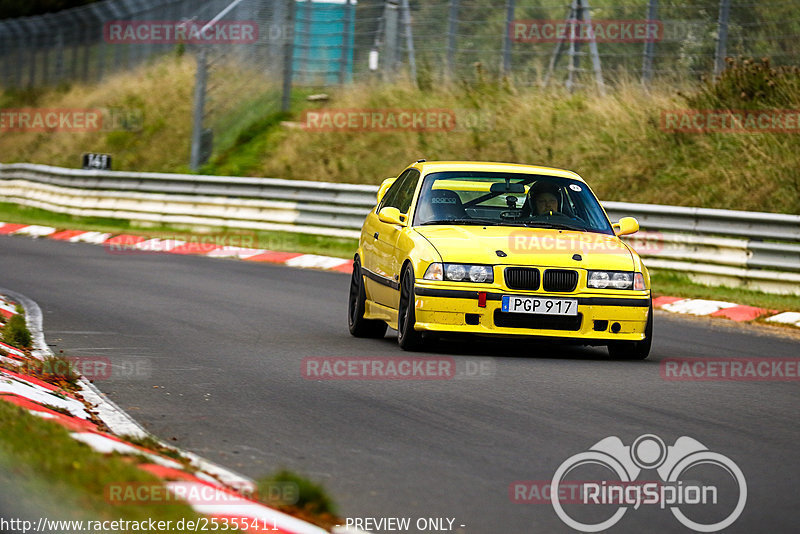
pixel 476 222
pixel 557 226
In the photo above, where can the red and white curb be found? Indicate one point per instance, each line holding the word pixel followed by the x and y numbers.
pixel 201 490
pixel 131 244
pixel 727 310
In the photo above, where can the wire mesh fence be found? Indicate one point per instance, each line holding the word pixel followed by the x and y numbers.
pixel 250 53
pixel 338 41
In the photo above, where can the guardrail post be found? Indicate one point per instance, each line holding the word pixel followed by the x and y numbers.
pixel 100 44
pixel 198 111
pixel 346 49
pixel 390 16
pixel 452 28
pixel 510 8
pixel 288 58
pixel 34 48
pixel 649 45
pixel 412 60
pixel 20 32
pixel 307 25
pixel 722 36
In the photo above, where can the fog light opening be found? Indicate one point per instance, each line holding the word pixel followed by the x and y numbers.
pixel 615 328
pixel 472 318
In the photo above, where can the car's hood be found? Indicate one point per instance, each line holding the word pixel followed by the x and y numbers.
pixel 528 246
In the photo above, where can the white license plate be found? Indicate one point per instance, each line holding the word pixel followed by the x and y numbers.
pixel 544 306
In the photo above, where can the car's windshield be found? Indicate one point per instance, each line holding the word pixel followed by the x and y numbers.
pixel 509 199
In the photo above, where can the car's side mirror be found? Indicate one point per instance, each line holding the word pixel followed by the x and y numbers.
pixel 626 226
pixel 392 216
pixel 387 183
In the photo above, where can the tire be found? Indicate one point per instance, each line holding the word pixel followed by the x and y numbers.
pixel 360 327
pixel 408 338
pixel 634 350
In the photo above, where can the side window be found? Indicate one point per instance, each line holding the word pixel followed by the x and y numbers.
pixel 390 199
pixel 406 193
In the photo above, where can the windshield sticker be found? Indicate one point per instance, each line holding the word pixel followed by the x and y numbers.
pixel 575 188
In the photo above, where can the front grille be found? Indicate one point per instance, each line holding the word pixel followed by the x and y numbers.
pixel 560 280
pixel 522 278
pixel 537 321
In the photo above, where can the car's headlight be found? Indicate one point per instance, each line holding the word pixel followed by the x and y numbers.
pixel 615 280
pixel 460 272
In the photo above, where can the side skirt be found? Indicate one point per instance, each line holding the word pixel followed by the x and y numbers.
pixel 373 310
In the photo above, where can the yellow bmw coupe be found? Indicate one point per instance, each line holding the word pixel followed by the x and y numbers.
pixel 498 249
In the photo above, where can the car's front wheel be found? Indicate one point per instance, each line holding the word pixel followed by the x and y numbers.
pixel 360 327
pixel 407 337
pixel 634 350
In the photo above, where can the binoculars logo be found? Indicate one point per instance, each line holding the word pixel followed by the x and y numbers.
pixel 627 462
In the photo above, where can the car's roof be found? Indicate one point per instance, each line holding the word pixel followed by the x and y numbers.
pixel 426 167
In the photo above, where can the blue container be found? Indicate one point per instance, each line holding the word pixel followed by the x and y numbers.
pixel 323 41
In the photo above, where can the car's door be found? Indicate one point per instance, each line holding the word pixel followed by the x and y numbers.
pixel 374 280
pixel 386 267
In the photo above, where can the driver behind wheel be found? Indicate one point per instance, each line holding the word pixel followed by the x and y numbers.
pixel 544 198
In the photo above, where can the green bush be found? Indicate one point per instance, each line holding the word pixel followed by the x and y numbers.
pixel 16 333
pixel 749 84
pixel 311 496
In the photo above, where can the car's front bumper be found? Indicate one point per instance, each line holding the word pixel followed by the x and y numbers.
pixel 601 317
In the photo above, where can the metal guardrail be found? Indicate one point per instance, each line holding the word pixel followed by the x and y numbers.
pixel 754 249
pixel 752 224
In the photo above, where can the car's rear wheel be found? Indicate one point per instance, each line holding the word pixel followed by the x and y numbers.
pixel 634 350
pixel 407 337
pixel 360 327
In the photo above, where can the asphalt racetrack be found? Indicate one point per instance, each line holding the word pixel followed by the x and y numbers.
pixel 208 355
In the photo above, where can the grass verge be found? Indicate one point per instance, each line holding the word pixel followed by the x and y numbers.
pixel 57 477
pixel 298 496
pixel 16 333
